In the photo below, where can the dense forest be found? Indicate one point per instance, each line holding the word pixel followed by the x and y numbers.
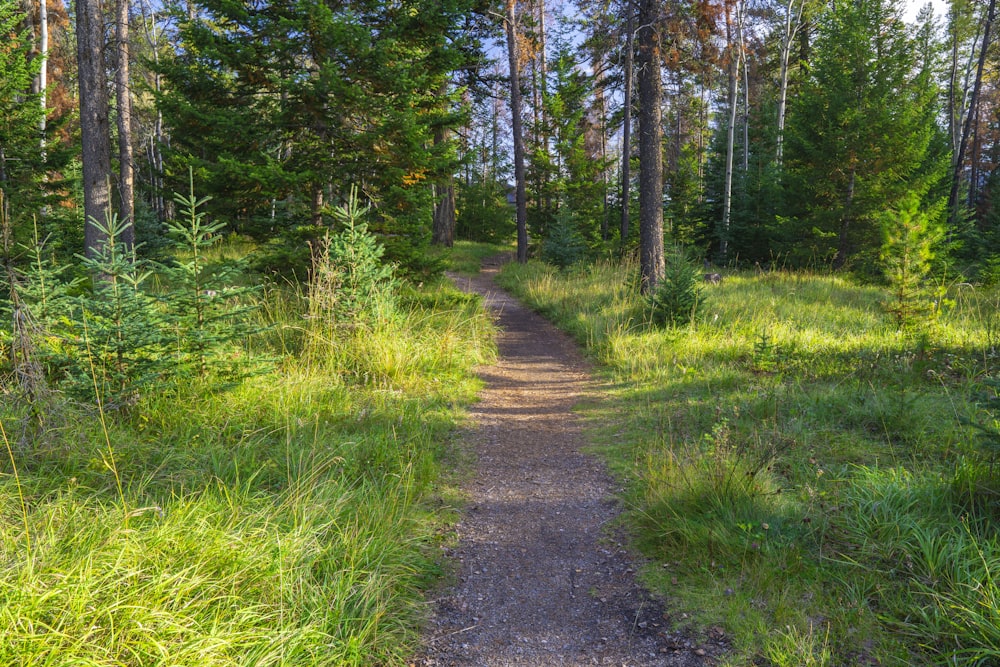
pixel 231 372
pixel 754 133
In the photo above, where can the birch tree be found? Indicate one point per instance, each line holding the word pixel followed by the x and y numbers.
pixel 791 23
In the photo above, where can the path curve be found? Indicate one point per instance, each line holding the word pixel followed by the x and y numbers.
pixel 541 580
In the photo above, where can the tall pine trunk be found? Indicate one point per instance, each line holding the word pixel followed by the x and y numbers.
pixel 94 130
pixel 650 149
pixel 973 103
pixel 126 171
pixel 627 124
pixel 43 69
pixel 443 223
pixel 521 197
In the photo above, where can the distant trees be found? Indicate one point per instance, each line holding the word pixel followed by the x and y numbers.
pixel 862 134
pixel 766 130
pixel 281 107
pixel 20 112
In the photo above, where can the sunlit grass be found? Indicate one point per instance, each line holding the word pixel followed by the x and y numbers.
pixel 288 520
pixel 758 440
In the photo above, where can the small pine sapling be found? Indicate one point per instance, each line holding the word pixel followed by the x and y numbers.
pixel 205 312
pixel 909 236
pixel 350 285
pixel 679 295
pixel 563 245
pixel 117 347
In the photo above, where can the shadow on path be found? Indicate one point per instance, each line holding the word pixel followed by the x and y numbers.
pixel 540 581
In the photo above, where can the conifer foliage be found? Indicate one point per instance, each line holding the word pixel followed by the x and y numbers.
pixel 281 106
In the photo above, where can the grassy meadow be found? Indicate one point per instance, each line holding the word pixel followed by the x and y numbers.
pixel 805 478
pixel 287 520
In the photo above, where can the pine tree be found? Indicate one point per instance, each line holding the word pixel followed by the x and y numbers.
pixel 21 163
pixel 862 134
pixel 909 237
pixel 280 108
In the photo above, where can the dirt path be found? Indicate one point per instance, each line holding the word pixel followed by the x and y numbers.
pixel 540 579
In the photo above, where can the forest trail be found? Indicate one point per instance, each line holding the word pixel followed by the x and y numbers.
pixel 540 578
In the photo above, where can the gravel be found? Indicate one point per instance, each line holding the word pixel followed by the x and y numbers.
pixel 541 576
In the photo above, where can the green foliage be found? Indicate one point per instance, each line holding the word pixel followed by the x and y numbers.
pixel 483 213
pixel 679 296
pixel 862 133
pixel 20 113
pixel 907 250
pixel 350 284
pixel 563 245
pixel 987 425
pixel 363 88
pixel 204 308
pixel 108 340
pixel 115 345
pixel 575 184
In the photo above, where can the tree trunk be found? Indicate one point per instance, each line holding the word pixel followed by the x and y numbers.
pixel 650 149
pixel 793 21
pixel 973 102
pixel 627 125
pixel 94 131
pixel 843 245
pixel 520 195
pixel 727 192
pixel 602 105
pixel 443 224
pixel 126 171
pixel 317 205
pixel 43 69
pixel 443 232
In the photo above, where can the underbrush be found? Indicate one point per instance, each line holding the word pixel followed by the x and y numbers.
pixel 283 519
pixel 802 472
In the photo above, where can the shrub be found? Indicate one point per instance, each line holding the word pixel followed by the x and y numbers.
pixel 350 284
pixel 564 245
pixel 678 297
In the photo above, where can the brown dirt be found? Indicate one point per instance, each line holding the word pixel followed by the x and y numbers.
pixel 540 576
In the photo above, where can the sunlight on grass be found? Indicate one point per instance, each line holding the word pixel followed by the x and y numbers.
pixel 760 442
pixel 286 521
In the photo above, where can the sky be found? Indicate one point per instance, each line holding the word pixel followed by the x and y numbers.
pixel 913 8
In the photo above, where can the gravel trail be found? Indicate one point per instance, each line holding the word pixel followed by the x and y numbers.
pixel 541 579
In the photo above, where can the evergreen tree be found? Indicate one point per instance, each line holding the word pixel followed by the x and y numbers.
pixel 281 106
pixel 20 115
pixel 576 184
pixel 862 134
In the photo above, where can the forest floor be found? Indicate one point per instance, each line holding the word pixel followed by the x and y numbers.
pixel 542 575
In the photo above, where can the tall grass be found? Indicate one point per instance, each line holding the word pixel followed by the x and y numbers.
pixel 287 521
pixel 800 470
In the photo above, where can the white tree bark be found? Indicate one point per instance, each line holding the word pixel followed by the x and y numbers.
pixel 791 25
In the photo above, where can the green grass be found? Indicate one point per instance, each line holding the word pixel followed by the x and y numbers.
pixel 466 256
pixel 798 470
pixel 287 521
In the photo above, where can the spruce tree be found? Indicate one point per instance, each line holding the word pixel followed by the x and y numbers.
pixel 862 134
pixel 281 107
